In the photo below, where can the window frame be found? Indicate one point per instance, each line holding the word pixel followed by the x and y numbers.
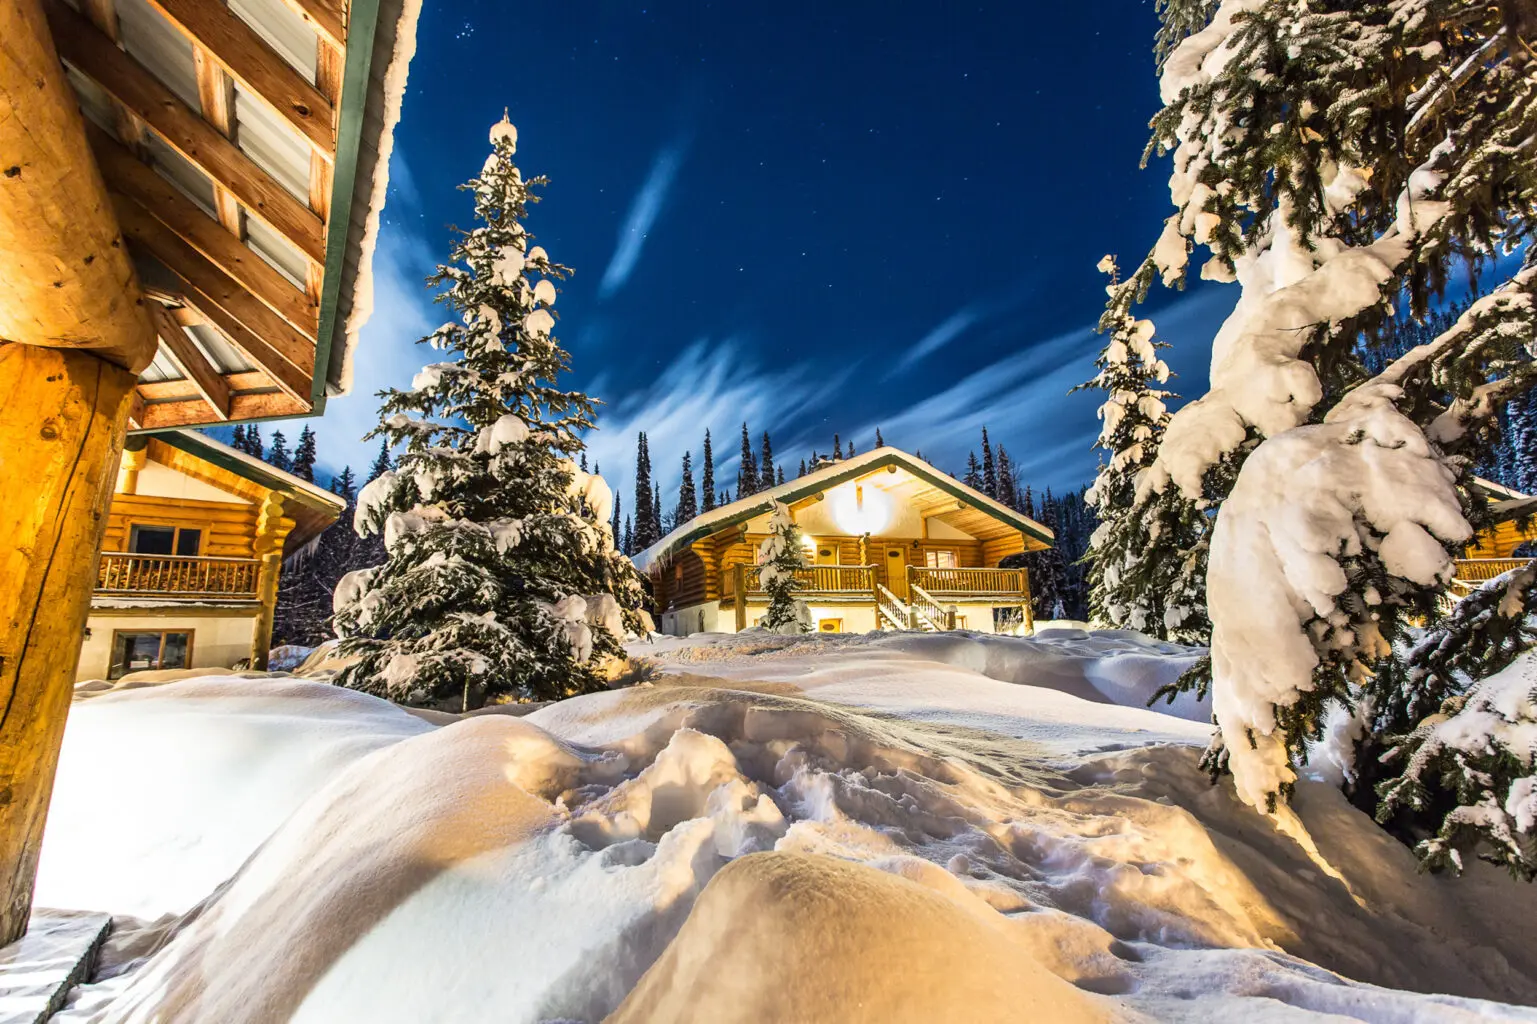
pixel 176 534
pixel 190 634
pixel 931 558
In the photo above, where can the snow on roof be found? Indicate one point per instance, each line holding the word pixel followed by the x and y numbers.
pixel 1506 502
pixel 822 478
pixel 394 46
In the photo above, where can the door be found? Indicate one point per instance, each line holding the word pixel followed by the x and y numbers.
pixel 896 570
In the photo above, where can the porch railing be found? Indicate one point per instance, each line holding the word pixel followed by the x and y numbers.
pixel 123 574
pixel 967 582
pixel 1481 570
pixel 816 579
pixel 928 612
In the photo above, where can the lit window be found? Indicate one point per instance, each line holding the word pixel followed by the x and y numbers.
pixel 941 559
pixel 142 651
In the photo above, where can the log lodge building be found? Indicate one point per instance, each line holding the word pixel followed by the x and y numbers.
pixel 893 544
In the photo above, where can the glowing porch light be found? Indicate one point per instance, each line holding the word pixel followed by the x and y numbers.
pixel 858 509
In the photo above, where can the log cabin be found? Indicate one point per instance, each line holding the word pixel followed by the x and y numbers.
pixel 1494 549
pixel 892 542
pixel 196 537
pixel 190 192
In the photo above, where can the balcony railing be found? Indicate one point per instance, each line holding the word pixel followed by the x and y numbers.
pixel 967 582
pixel 122 574
pixel 814 580
pixel 1471 572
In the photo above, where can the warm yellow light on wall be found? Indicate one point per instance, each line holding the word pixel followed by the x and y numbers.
pixel 858 509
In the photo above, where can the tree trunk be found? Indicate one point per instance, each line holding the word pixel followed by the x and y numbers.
pixel 63 414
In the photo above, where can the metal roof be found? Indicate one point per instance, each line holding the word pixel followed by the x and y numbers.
pixel 271 121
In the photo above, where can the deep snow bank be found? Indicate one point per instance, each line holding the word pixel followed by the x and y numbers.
pixel 164 790
pixel 536 868
pixel 1071 691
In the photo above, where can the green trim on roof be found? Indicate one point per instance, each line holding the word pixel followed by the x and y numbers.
pixel 268 476
pixel 362 28
pixel 911 463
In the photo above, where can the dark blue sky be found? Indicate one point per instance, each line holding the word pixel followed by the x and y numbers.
pixel 817 217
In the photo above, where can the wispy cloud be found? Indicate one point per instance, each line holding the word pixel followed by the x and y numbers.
pixel 712 384
pixel 643 213
pixel 953 327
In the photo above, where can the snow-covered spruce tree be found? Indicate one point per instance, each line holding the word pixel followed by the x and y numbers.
pixel 1146 566
pixel 782 554
pixel 501 581
pixel 1338 160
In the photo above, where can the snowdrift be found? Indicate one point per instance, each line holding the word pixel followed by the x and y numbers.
pixel 164 790
pixel 687 851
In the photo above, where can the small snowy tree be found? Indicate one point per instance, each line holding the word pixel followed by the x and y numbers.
pixel 501 579
pixel 782 553
pixel 1338 162
pixel 1146 566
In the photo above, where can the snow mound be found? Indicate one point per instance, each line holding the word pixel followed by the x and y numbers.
pixel 780 936
pixel 163 791
pixel 577 847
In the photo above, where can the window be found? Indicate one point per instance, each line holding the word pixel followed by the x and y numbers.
pixel 939 559
pixel 140 651
pixel 144 539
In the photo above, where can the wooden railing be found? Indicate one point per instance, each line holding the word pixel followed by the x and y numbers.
pixel 891 611
pixel 928 613
pixel 967 582
pixel 1481 570
pixel 816 579
pixel 125 574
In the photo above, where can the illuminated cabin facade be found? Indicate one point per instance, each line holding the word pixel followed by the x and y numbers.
pixel 1493 551
pixel 188 573
pixel 893 544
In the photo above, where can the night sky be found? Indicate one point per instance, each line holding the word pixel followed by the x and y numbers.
pixel 821 217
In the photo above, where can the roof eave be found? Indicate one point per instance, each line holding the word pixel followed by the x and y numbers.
pixel 794 490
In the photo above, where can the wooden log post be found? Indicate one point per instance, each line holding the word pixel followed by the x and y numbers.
pixel 272 529
pixel 135 458
pixel 740 572
pixel 73 335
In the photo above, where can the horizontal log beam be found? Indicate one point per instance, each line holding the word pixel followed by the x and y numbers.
pixel 279 337
pixel 68 281
pixel 182 390
pixel 247 58
pixel 211 387
pixel 159 415
pixel 138 181
pixel 130 84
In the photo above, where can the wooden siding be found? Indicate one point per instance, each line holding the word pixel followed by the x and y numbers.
pixel 1001 547
pixel 1502 539
pixel 229 529
pixel 709 558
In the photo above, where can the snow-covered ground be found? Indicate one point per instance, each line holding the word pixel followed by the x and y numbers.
pixel 892 827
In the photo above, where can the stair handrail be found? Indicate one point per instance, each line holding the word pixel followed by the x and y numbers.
pixel 931 610
pixel 892 607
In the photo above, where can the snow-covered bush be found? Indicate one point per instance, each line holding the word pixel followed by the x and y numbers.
pixel 502 580
pixel 1338 161
pixel 783 554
